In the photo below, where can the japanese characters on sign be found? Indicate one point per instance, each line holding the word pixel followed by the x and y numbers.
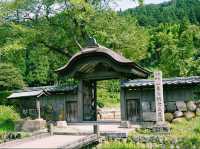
pixel 159 97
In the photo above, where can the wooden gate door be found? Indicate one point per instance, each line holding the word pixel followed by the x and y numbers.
pixel 133 110
pixel 71 111
pixel 89 101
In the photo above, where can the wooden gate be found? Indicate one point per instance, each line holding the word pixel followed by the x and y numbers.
pixel 89 101
pixel 71 111
pixel 133 110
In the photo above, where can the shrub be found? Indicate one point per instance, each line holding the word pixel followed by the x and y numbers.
pixel 144 131
pixel 7 118
pixel 8 113
pixel 8 136
pixel 121 145
pixel 3 96
pixel 191 142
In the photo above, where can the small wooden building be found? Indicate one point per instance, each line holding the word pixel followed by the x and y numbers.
pixel 138 96
pixel 48 102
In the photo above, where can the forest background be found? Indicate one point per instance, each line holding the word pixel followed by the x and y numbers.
pixel 39 36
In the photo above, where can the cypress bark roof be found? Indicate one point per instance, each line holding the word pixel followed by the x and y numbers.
pixel 100 52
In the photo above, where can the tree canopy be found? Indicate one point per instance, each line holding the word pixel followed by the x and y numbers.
pixel 37 37
pixel 174 11
pixel 10 78
pixel 44 42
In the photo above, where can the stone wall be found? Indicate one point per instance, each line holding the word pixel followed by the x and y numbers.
pixel 177 111
pixel 176 100
pixel 174 111
pixel 30 125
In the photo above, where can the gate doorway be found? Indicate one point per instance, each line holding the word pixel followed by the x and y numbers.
pixel 108 100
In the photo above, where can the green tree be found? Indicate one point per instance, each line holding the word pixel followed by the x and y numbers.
pixel 120 33
pixel 173 11
pixel 174 49
pixel 10 78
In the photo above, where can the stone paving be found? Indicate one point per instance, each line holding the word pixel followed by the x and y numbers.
pixel 88 129
pixel 70 134
pixel 54 141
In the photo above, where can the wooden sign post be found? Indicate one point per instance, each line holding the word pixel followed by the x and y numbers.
pixel 38 108
pixel 160 126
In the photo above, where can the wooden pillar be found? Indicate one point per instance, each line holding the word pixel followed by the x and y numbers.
pixel 38 108
pixel 64 109
pixel 51 129
pixel 94 98
pixel 123 104
pixel 96 130
pixel 80 101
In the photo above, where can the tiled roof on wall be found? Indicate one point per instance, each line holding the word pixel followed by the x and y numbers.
pixel 166 81
pixel 37 91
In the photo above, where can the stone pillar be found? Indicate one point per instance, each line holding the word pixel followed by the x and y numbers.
pixel 160 126
pixel 160 118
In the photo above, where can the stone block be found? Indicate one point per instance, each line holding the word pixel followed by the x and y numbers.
pixel 178 114
pixel 169 117
pixel 149 116
pixel 181 106
pixel 191 106
pixel 198 112
pixel 178 120
pixel 198 103
pixel 171 106
pixel 145 106
pixel 125 124
pixel 161 127
pixel 61 124
pixel 30 125
pixel 189 115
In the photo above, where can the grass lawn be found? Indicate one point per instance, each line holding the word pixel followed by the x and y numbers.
pixel 187 133
pixel 184 129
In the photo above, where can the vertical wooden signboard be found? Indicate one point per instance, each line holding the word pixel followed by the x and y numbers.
pixel 160 118
pixel 38 108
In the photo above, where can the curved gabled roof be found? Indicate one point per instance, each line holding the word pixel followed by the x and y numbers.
pixel 101 52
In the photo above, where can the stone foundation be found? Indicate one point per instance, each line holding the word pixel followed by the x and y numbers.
pixel 30 125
